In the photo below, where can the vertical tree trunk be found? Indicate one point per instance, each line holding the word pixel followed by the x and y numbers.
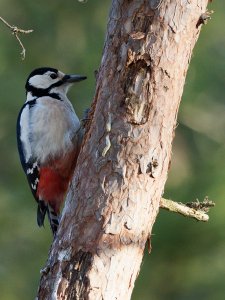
pixel 123 165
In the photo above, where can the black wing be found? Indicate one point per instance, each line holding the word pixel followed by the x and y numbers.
pixel 31 168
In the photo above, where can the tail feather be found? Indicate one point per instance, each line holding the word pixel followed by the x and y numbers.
pixel 53 219
pixel 41 212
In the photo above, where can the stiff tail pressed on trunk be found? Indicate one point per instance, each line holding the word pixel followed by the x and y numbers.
pixel 52 216
pixel 53 219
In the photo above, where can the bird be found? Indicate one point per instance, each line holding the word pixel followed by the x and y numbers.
pixel 49 136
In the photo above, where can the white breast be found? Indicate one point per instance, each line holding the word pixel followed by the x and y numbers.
pixel 53 125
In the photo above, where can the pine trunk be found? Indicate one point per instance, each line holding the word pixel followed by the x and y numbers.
pixel 123 165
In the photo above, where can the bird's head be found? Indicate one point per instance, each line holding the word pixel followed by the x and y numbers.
pixel 49 81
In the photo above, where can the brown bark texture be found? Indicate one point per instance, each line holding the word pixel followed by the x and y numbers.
pixel 122 168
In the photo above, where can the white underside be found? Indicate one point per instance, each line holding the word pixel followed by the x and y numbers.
pixel 48 129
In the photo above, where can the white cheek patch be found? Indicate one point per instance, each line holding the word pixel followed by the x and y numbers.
pixel 42 81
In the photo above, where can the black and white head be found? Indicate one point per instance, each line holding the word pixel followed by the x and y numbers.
pixel 49 82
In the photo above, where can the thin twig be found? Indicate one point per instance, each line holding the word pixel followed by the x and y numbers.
pixel 204 18
pixel 15 31
pixel 196 210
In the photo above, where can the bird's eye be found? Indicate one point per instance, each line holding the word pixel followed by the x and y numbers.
pixel 53 76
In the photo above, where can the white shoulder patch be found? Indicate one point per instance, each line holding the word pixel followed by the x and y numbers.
pixel 25 131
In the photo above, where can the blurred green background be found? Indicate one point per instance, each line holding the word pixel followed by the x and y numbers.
pixel 187 260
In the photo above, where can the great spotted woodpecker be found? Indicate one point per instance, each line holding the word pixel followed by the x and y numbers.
pixel 49 135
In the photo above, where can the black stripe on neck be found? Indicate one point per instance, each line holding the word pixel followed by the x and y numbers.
pixel 55 96
pixel 37 93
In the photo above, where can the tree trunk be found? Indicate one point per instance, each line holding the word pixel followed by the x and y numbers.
pixel 122 168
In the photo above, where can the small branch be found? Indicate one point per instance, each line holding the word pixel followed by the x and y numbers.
pixel 15 31
pixel 197 210
pixel 205 205
pixel 204 18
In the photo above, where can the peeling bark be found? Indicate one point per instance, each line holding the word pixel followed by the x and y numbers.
pixel 122 168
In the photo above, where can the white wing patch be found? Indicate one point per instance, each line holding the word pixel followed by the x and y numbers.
pixel 34 185
pixel 25 131
pixel 32 173
pixel 32 169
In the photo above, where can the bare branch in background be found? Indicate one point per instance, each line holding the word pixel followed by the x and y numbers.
pixel 16 31
pixel 197 210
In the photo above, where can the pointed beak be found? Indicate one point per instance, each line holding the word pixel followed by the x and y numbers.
pixel 73 78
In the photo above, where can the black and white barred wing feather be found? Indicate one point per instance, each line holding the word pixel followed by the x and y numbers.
pixel 30 164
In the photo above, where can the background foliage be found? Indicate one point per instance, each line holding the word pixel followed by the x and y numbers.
pixel 187 260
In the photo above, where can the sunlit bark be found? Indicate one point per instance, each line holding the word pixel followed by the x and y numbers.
pixel 123 165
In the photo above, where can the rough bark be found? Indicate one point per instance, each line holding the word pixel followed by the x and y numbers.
pixel 122 168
